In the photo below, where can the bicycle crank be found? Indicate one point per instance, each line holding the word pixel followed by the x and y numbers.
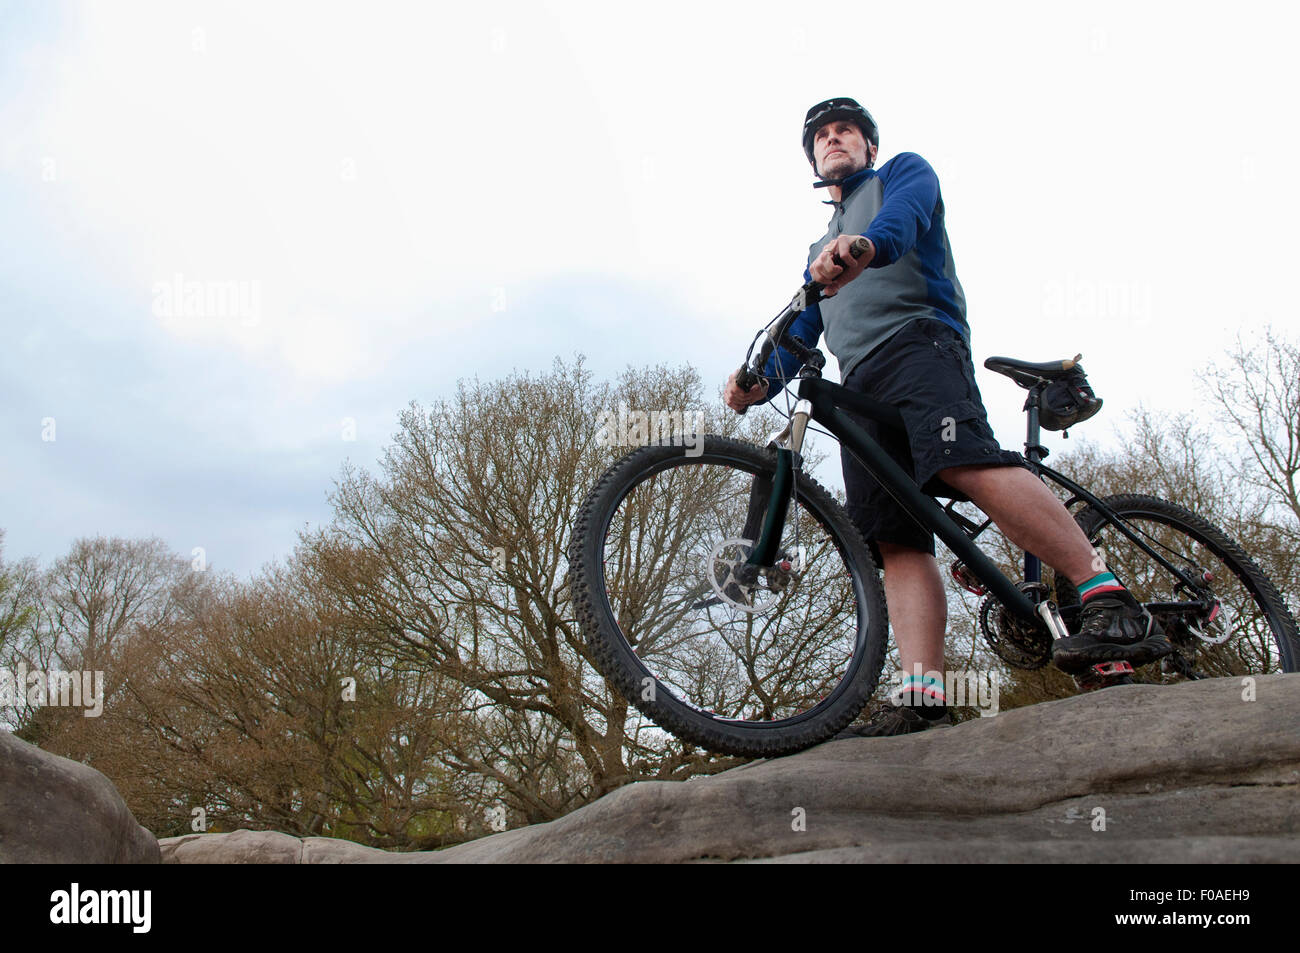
pixel 1026 645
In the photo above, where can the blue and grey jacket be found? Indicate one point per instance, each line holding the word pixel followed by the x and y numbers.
pixel 912 276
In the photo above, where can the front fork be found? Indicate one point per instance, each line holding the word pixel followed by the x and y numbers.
pixel 769 499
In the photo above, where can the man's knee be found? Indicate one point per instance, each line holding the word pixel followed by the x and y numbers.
pixel 891 551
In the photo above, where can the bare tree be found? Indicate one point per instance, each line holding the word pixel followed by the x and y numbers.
pixel 1257 395
pixel 19 602
pixel 252 704
pixel 454 561
pixel 104 588
pixel 20 626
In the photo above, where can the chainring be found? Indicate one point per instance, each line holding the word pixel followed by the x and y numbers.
pixel 1021 645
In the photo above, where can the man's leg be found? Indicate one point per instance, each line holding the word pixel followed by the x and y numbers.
pixel 918 613
pixel 1113 626
pixel 1030 515
pixel 928 375
pixel 914 589
pixel 918 606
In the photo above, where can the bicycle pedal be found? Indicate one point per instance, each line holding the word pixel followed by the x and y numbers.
pixel 1104 675
pixel 1103 669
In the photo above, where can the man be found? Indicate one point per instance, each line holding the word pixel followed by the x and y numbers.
pixel 900 335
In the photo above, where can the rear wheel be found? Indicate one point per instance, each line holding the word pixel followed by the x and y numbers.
pixel 737 659
pixel 1230 621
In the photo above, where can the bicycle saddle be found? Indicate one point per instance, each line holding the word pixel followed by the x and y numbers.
pixel 1027 373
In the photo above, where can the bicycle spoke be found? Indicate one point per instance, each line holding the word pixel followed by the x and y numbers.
pixel 1248 642
pixel 705 649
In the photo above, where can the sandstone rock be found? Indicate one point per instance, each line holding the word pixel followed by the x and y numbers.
pixel 240 847
pixel 271 847
pixel 1189 773
pixel 57 811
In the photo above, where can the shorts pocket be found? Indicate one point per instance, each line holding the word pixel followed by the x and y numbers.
pixel 954 359
pixel 953 423
pixel 957 434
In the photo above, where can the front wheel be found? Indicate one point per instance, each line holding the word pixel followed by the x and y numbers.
pixel 737 659
pixel 1222 614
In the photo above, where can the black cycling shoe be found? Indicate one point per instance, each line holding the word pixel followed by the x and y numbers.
pixel 1112 628
pixel 894 720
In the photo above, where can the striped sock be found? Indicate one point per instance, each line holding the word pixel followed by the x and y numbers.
pixel 923 694
pixel 1100 584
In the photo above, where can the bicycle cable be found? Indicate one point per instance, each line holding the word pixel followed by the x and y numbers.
pixel 789 411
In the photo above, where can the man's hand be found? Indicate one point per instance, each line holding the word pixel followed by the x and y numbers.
pixel 735 398
pixel 833 276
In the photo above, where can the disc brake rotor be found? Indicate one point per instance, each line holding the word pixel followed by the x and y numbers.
pixel 751 589
pixel 1217 628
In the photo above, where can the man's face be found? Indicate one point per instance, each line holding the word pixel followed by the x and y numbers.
pixel 840 149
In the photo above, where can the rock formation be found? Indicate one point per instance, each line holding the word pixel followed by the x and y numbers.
pixel 1189 773
pixel 57 811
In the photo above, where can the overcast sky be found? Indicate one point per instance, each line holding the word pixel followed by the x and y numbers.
pixel 378 198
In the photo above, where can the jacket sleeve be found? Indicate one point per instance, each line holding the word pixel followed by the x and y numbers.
pixel 910 196
pixel 782 366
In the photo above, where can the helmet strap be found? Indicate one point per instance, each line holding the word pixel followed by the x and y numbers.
pixel 827 183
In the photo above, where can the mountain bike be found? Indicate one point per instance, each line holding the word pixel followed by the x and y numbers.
pixel 730 598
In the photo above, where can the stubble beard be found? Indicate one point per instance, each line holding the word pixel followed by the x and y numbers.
pixel 842 168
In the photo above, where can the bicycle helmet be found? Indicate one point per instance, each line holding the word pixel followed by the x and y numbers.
pixel 829 111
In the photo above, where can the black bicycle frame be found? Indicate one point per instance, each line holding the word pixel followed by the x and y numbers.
pixel 829 401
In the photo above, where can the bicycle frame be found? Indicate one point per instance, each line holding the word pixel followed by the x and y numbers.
pixel 826 403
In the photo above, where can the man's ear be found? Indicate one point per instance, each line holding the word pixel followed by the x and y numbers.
pixel 872 149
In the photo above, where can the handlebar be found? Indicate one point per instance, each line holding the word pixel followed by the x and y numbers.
pixel 750 374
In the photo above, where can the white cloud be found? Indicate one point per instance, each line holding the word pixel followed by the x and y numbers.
pixel 388 173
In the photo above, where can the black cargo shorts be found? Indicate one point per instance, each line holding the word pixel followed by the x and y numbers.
pixel 925 371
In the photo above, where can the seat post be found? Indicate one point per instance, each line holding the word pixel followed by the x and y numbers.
pixel 1034 450
pixel 1034 453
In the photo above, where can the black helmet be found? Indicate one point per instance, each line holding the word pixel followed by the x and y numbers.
pixel 829 111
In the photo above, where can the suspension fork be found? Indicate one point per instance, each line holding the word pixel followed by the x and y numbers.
pixel 769 499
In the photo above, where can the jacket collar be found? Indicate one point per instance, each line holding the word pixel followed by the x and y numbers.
pixel 850 184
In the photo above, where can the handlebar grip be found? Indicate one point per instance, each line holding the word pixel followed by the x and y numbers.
pixel 857 250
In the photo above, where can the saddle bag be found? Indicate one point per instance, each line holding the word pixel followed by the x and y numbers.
pixel 1067 401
